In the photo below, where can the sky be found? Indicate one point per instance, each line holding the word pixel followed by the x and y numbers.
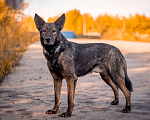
pixel 51 8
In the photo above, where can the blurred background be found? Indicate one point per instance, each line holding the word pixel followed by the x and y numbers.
pixel 85 19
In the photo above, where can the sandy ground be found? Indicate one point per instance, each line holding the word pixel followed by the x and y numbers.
pixel 27 93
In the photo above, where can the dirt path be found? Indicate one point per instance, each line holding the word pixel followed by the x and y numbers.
pixel 27 92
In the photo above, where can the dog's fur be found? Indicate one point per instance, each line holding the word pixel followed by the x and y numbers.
pixel 68 60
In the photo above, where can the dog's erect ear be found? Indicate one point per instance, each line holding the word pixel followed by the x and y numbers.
pixel 38 21
pixel 60 22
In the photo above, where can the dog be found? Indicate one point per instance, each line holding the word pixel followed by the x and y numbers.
pixel 69 60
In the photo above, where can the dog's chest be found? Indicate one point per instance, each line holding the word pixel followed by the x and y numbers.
pixel 54 66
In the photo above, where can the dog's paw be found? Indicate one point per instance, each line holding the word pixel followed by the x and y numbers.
pixel 115 102
pixel 51 112
pixel 126 109
pixel 65 114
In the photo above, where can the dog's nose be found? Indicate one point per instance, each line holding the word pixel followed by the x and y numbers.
pixel 48 38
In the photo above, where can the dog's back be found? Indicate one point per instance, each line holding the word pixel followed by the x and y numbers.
pixel 91 55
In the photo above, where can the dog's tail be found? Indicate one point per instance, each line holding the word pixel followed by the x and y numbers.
pixel 128 83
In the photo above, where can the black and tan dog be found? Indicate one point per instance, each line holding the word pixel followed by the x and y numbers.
pixel 68 60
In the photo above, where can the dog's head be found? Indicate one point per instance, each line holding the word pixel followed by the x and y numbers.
pixel 49 32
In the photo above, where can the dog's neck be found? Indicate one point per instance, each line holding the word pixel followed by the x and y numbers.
pixel 54 50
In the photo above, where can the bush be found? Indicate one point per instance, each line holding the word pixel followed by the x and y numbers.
pixel 15 36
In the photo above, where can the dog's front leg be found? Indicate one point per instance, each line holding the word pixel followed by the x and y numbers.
pixel 71 84
pixel 57 90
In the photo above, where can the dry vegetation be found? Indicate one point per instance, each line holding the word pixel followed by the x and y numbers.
pixel 15 36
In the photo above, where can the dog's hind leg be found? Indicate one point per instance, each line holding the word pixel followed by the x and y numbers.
pixel 105 76
pixel 57 90
pixel 121 84
pixel 117 72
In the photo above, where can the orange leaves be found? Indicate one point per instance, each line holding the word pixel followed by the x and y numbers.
pixel 110 27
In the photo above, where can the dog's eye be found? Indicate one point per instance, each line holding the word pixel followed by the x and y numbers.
pixel 53 31
pixel 44 30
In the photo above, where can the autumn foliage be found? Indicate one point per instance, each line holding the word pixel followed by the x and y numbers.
pixel 135 28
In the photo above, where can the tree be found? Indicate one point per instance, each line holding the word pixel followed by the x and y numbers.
pixel 73 17
pixel 103 23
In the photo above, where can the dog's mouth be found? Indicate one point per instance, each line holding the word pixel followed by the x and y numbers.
pixel 48 42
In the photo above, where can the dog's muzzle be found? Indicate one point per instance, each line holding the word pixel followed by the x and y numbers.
pixel 48 41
